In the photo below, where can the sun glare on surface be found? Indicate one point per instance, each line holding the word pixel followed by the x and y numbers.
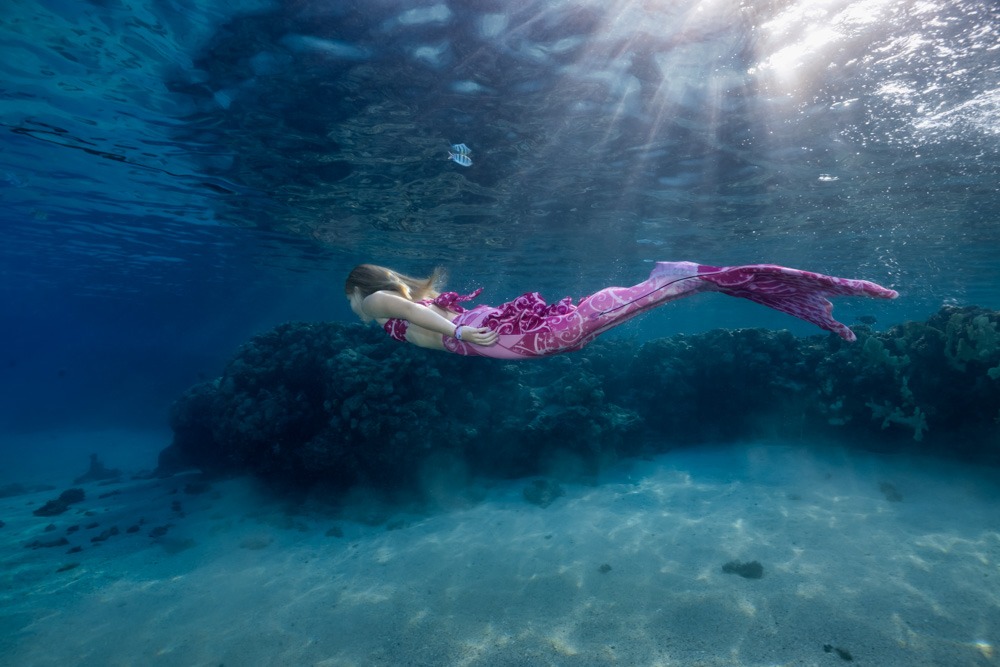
pixel 803 39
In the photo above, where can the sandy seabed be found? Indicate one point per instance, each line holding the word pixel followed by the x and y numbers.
pixel 866 560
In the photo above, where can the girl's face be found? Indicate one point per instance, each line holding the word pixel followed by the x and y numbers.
pixel 357 305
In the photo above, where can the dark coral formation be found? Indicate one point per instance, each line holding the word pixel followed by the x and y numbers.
pixel 938 380
pixel 105 534
pixel 47 544
pixel 843 654
pixel 60 504
pixel 749 570
pixel 343 404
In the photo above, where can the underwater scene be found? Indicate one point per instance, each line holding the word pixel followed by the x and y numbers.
pixel 499 332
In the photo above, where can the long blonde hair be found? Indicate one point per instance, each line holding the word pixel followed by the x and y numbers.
pixel 370 278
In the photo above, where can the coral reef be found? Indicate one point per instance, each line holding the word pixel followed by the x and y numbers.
pixel 922 380
pixel 343 404
pixel 718 385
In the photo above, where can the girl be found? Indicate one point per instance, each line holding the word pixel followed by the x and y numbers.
pixel 412 310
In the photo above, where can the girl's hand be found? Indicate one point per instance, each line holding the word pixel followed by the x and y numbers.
pixel 479 336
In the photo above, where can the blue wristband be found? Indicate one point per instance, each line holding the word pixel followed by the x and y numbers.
pixel 458 332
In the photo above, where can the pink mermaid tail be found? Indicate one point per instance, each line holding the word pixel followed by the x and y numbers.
pixel 530 328
pixel 798 293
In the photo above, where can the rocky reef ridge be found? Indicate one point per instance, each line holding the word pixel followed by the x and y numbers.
pixel 344 404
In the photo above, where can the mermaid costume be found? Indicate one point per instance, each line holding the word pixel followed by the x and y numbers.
pixel 528 327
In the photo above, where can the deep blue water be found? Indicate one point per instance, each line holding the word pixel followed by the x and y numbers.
pixel 177 176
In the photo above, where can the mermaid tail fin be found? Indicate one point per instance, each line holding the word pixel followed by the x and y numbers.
pixel 801 294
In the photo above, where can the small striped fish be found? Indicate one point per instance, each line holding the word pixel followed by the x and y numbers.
pixel 459 154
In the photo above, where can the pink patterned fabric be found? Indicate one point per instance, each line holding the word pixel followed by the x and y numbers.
pixel 450 300
pixel 801 294
pixel 396 328
pixel 526 313
pixel 530 328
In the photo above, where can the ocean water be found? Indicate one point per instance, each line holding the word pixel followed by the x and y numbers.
pixel 179 177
